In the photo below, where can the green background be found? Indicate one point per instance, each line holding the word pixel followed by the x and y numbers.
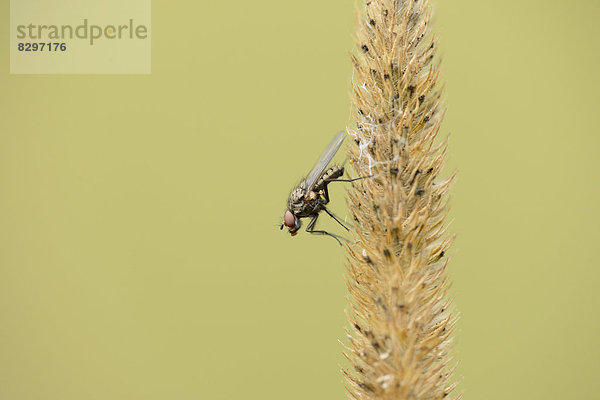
pixel 139 252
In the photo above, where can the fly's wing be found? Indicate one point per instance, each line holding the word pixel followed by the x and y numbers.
pixel 324 160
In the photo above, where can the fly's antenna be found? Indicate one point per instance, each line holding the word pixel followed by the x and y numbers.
pixel 279 225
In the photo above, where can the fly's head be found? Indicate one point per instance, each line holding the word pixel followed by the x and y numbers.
pixel 292 222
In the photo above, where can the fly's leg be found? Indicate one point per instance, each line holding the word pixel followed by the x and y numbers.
pixel 326 197
pixel 328 181
pixel 332 215
pixel 348 180
pixel 311 224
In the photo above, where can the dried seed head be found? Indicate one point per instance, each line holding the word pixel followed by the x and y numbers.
pixel 396 273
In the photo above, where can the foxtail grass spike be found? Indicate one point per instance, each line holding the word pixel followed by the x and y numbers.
pixel 401 319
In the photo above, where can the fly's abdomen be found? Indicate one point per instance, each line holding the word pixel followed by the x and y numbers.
pixel 332 173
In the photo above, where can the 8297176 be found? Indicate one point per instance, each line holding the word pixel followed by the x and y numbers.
pixel 42 46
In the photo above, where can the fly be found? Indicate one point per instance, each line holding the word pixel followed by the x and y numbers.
pixel 311 196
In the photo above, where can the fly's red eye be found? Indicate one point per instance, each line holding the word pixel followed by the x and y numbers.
pixel 289 219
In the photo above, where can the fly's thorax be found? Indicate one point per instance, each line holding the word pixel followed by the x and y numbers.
pixel 296 199
pixel 302 204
